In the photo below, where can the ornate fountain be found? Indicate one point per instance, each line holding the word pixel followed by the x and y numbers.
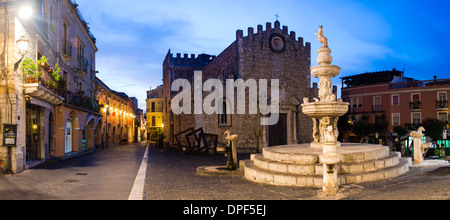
pixel 325 163
pixel 325 113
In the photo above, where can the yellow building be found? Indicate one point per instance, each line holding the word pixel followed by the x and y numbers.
pixel 154 114
pixel 118 116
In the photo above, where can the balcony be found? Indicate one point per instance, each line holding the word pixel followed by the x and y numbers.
pixel 80 100
pixel 82 65
pixel 377 108
pixel 155 110
pixel 67 50
pixel 416 105
pixel 42 88
pixel 441 104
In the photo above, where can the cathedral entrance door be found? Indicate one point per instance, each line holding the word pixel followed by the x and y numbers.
pixel 278 132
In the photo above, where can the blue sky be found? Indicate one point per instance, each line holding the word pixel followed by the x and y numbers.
pixel 133 37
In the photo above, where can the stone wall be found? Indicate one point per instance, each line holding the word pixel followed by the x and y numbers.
pixel 251 57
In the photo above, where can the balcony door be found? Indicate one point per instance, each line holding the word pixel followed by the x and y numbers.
pixel 377 103
pixel 415 101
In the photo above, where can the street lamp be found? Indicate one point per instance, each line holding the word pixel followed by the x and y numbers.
pixel 22 46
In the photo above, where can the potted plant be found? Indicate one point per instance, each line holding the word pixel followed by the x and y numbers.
pixel 43 62
pixel 30 70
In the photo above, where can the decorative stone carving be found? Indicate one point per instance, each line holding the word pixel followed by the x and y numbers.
pixel 419 147
pixel 418 133
pixel 322 39
pixel 232 163
pixel 329 135
pixel 315 131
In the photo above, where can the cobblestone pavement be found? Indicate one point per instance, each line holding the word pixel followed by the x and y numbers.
pixel 104 175
pixel 110 174
pixel 172 176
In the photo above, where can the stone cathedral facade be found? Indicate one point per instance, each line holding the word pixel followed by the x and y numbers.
pixel 270 53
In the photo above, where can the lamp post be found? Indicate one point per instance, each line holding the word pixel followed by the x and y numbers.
pixel 22 45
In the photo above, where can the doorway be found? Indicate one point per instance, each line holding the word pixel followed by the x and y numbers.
pixel 68 137
pixel 33 132
pixel 278 132
pixel 51 127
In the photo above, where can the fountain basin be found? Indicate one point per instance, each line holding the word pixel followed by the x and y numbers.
pixel 325 109
pixel 325 71
pixel 302 166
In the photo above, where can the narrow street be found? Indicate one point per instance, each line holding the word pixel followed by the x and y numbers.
pixel 104 175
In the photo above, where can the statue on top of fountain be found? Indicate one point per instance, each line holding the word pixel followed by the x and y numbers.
pixel 322 39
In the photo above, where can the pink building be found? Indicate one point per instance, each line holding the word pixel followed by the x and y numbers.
pixel 389 99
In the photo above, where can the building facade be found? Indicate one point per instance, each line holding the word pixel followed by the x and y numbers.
pixel 155 124
pixel 51 102
pixel 273 53
pixel 388 99
pixel 118 116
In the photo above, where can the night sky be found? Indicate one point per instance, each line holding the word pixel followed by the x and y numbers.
pixel 133 37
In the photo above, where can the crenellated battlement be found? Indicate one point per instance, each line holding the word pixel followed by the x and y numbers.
pixel 192 60
pixel 277 28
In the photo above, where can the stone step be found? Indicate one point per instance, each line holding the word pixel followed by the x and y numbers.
pixel 303 154
pixel 388 173
pixel 317 169
pixel 258 175
pixel 372 165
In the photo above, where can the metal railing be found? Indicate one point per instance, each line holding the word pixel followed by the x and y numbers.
pixel 415 105
pixel 67 48
pixel 442 104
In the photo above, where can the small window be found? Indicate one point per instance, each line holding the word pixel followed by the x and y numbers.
pixel 442 96
pixel 443 116
pixel 396 119
pixel 395 100
pixel 416 118
pixel 225 117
